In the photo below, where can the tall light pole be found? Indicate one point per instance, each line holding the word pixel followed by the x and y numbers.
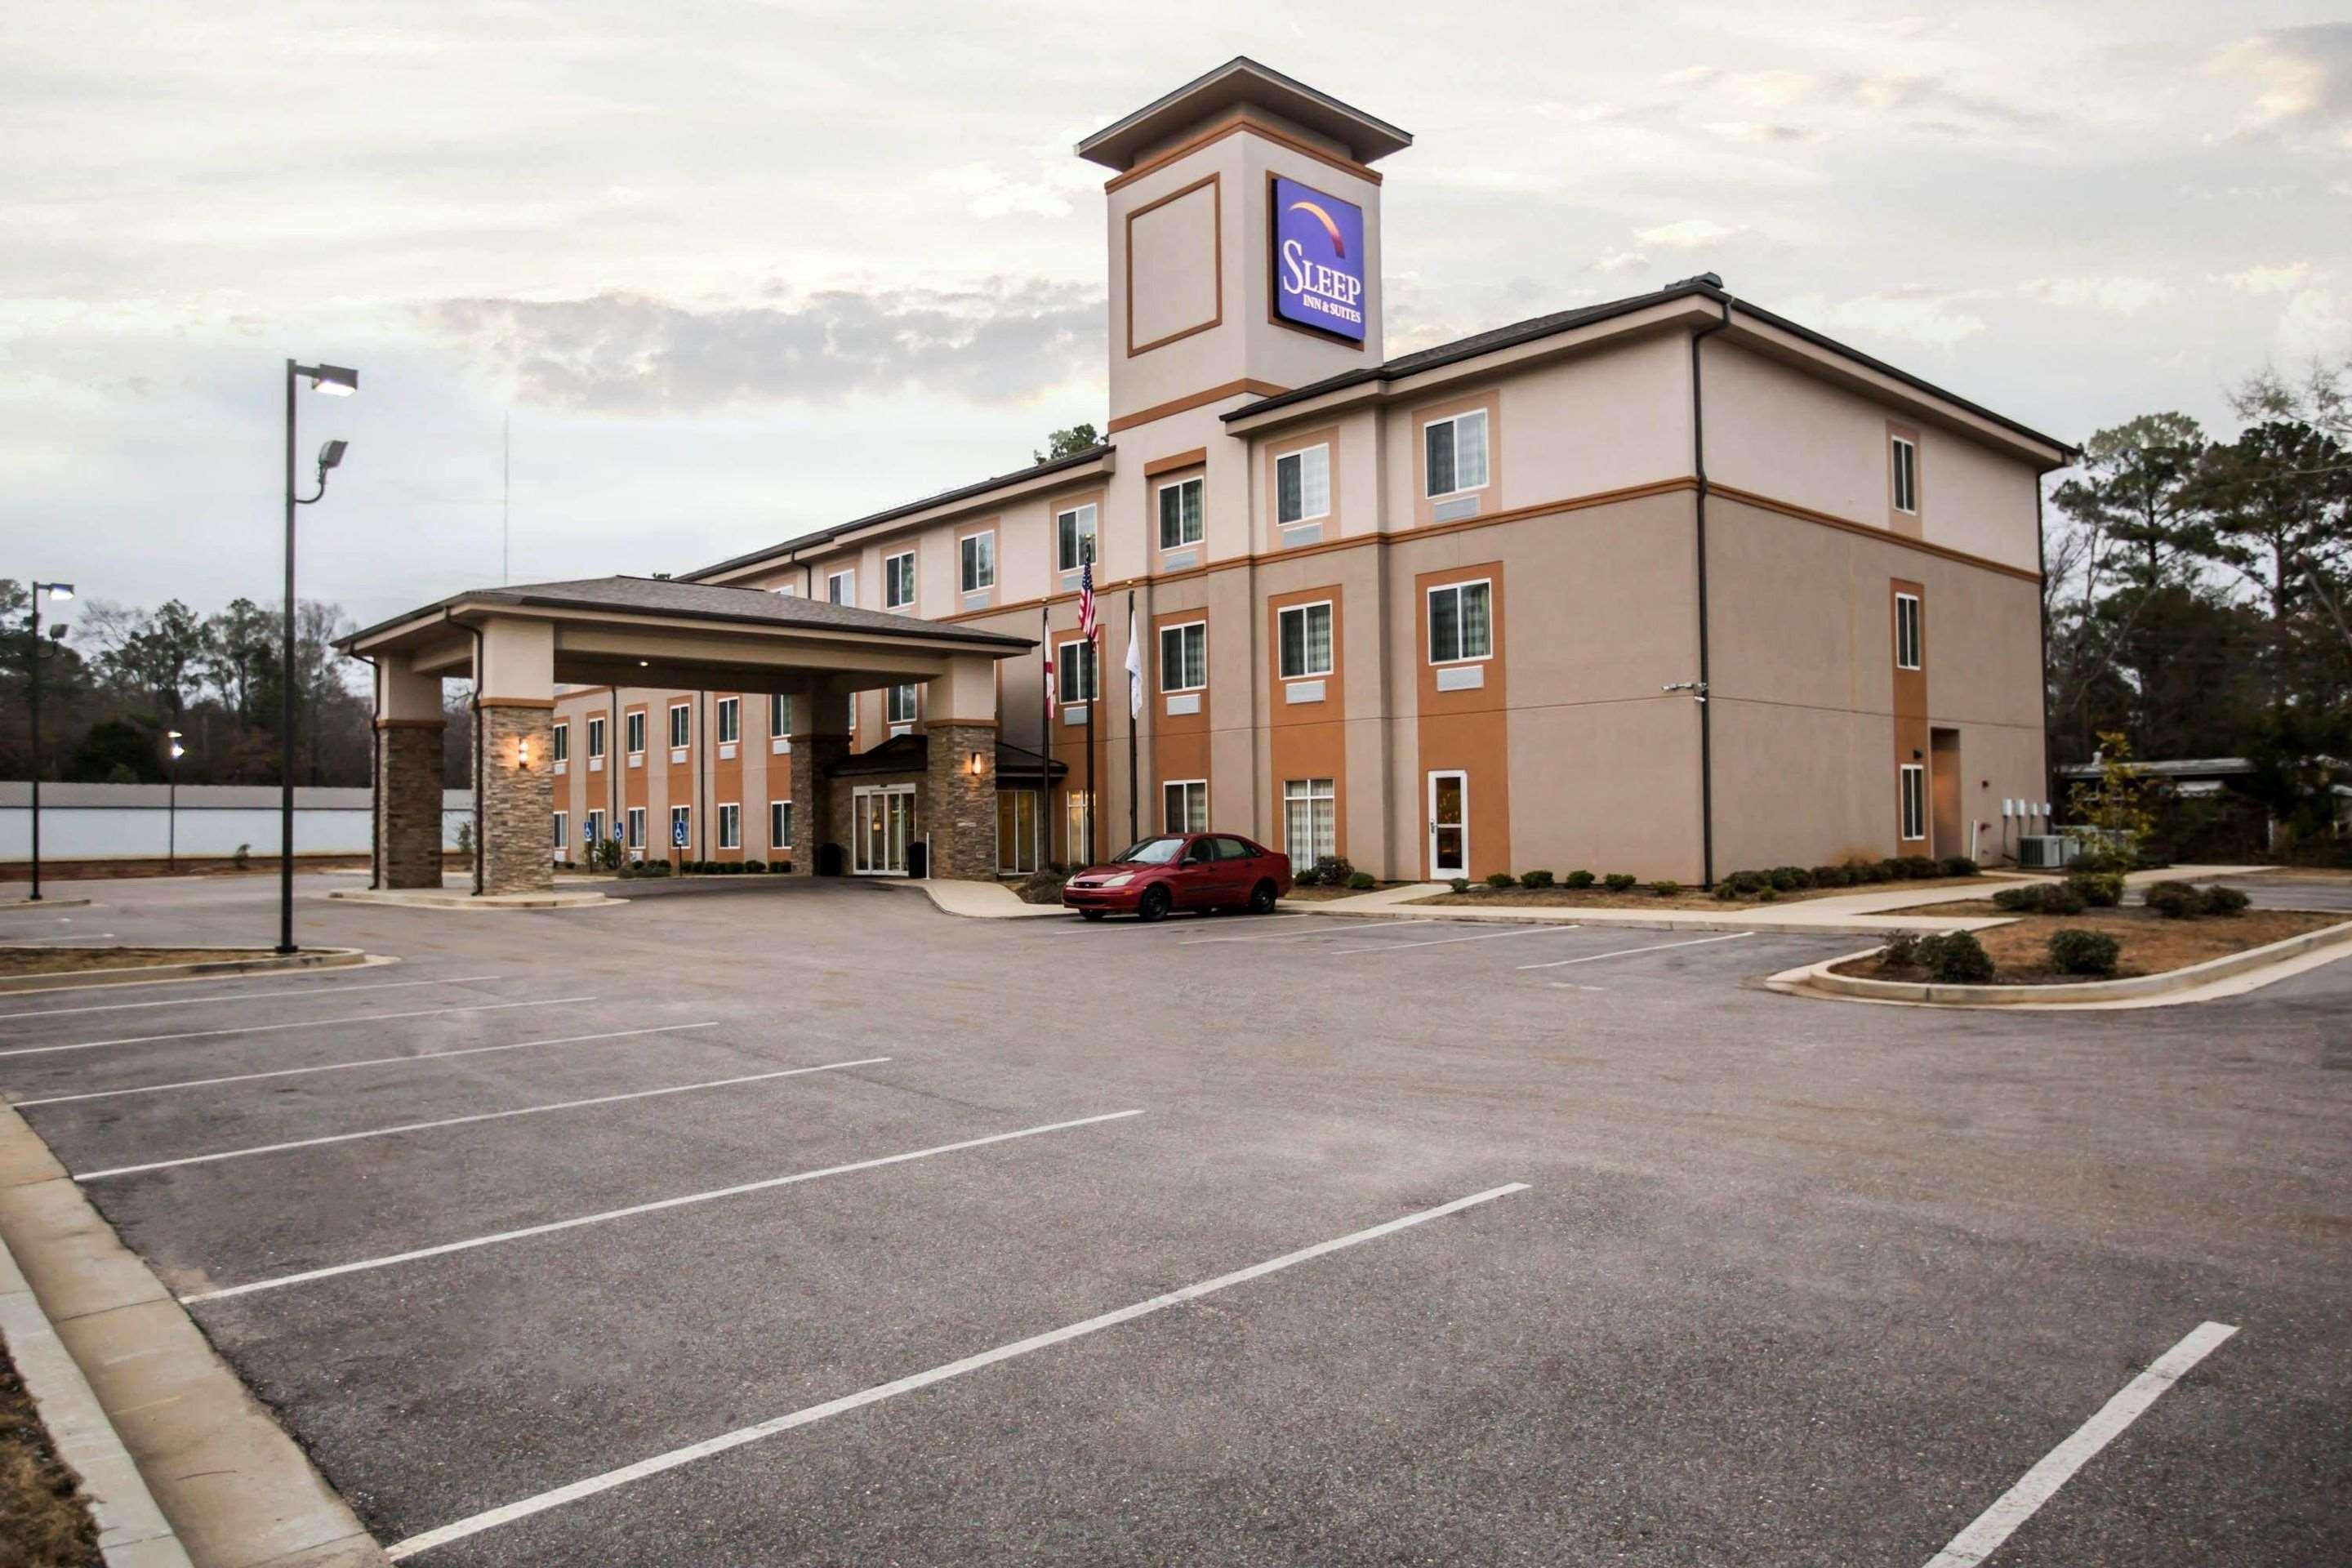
pixel 172 807
pixel 335 381
pixel 35 654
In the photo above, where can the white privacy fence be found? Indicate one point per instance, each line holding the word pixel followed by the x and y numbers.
pixel 136 822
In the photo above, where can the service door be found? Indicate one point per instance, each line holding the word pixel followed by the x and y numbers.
pixel 1449 824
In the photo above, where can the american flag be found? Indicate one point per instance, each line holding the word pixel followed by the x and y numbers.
pixel 1086 602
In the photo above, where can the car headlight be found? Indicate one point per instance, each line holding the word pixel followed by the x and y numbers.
pixel 1121 880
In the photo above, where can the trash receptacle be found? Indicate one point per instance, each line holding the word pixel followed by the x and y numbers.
pixel 828 859
pixel 919 858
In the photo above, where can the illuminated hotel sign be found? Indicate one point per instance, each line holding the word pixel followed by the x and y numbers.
pixel 1319 260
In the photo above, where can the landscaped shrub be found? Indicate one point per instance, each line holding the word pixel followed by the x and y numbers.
pixel 1744 883
pixel 1043 886
pixel 2077 951
pixel 1361 880
pixel 1901 951
pixel 1891 871
pixel 1665 886
pixel 779 868
pixel 1959 866
pixel 1726 890
pixel 1535 878
pixel 1767 893
pixel 2099 890
pixel 1579 879
pixel 1917 866
pixel 2040 898
pixel 1830 877
pixel 653 867
pixel 1328 871
pixel 2021 901
pixel 1460 884
pixel 2223 901
pixel 1619 882
pixel 1861 871
pixel 1498 880
pixel 2176 900
pixel 751 866
pixel 1956 958
pixel 1790 878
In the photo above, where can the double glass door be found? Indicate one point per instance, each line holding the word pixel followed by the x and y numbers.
pixel 885 826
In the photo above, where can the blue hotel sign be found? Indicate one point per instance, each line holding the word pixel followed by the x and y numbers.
pixel 1319 260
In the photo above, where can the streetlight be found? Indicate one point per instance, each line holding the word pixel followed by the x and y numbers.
pixel 171 809
pixel 333 381
pixel 61 591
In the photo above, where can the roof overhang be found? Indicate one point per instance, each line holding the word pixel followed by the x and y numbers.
pixel 1242 82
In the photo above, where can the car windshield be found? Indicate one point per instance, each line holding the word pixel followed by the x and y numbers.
pixel 1151 852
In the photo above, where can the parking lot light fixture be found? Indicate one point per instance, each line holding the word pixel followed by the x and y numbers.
pixel 334 381
pixel 35 653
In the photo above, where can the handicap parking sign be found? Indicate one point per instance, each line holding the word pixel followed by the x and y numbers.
pixel 677 833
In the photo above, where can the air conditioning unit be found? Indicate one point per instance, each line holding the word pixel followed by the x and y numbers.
pixel 2044 851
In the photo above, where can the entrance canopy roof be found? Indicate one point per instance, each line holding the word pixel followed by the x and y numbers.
pixel 653 631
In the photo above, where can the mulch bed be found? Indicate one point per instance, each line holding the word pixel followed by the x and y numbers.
pixel 78 960
pixel 2149 943
pixel 43 1523
pixel 1600 898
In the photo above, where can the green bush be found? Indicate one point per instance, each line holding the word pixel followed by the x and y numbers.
pixel 1955 958
pixel 2224 901
pixel 1579 879
pixel 1043 886
pixel 1767 894
pixel 1665 886
pixel 2099 890
pixel 1901 951
pixel 1861 871
pixel 653 867
pixel 1891 871
pixel 1619 882
pixel 2075 951
pixel 1745 883
pixel 1919 865
pixel 1361 880
pixel 1498 880
pixel 1959 866
pixel 1790 878
pixel 2020 901
pixel 1726 890
pixel 1830 877
pixel 1460 884
pixel 2041 899
pixel 2176 900
pixel 1328 871
pixel 779 868
pixel 1535 880
pixel 751 866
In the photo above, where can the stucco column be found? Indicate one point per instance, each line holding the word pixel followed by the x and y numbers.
pixel 515 710
pixel 818 742
pixel 960 781
pixel 409 729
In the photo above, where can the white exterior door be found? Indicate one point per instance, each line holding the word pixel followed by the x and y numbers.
pixel 885 821
pixel 1449 824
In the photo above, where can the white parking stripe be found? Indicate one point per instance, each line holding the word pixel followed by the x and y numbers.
pixel 2015 1506
pixel 464 1120
pixel 636 1209
pixel 1444 941
pixel 304 1024
pixel 247 997
pixel 346 1066
pixel 491 1519
pixel 1629 951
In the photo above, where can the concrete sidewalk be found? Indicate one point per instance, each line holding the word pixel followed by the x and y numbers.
pixel 981 901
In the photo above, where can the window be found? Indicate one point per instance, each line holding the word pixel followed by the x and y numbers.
pixel 563 751
pixel 681 826
pixel 1184 805
pixel 595 737
pixel 898 581
pixel 1905 456
pixel 780 826
pixel 636 827
pixel 731 720
pixel 780 716
pixel 1915 801
pixel 730 826
pixel 902 704
pixel 1456 453
pixel 1180 514
pixel 841 587
pixel 1906 631
pixel 1306 641
pixel 1461 622
pixel 1302 485
pixel 1075 531
pixel 681 725
pixel 636 733
pixel 789 590
pixel 559 830
pixel 1184 656
pixel 1075 675
pixel 1078 827
pixel 976 556
pixel 591 830
pixel 1311 820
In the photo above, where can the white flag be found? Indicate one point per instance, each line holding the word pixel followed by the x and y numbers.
pixel 1134 667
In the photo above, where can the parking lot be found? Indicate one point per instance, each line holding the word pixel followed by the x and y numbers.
pixel 781 1222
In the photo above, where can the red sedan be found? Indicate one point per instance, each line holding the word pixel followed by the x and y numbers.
pixel 1180 871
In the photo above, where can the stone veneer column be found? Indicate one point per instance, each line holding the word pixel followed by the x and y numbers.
pixel 960 804
pixel 813 757
pixel 408 802
pixel 517 799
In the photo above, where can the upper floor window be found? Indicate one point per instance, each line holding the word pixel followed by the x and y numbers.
pixel 841 587
pixel 977 555
pixel 1906 631
pixel 1306 638
pixel 1180 513
pixel 902 704
pixel 788 591
pixel 1456 448
pixel 1905 455
pixel 562 752
pixel 1073 532
pixel 595 737
pixel 1915 801
pixel 898 581
pixel 637 732
pixel 1302 485
pixel 731 719
pixel 681 725
pixel 780 716
pixel 1461 622
pixel 1074 680
pixel 1184 656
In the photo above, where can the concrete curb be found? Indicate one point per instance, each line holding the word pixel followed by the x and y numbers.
pixel 1757 922
pixel 82 979
pixel 2138 990
pixel 132 1531
pixel 234 1487
pixel 12 906
pixel 979 900
pixel 488 903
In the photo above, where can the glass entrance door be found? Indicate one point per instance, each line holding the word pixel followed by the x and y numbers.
pixel 885 824
pixel 1016 830
pixel 1449 824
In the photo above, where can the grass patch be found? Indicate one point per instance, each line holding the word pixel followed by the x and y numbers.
pixel 1643 897
pixel 81 959
pixel 2148 944
pixel 43 1523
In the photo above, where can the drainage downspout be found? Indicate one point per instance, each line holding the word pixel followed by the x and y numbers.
pixel 2042 561
pixel 1705 700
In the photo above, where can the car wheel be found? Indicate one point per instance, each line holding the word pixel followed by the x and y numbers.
pixel 1262 899
pixel 1153 905
pixel 1090 914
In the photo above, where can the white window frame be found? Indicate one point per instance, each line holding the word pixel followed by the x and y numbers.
pixel 591 828
pixel 1428 609
pixel 560 749
pixel 1305 792
pixel 1904 453
pixel 973 573
pixel 730 825
pixel 841 587
pixel 1062 672
pixel 780 826
pixel 1086 534
pixel 1907 634
pixel 678 814
pixel 1191 790
pixel 595 736
pixel 892 598
pixel 634 725
pixel 1200 515
pixel 780 711
pixel 1451 425
pixel 1077 816
pixel 1914 785
pixel 1306 643
pixel 789 590
pixel 1178 629
pixel 635 837
pixel 562 823
pixel 890 709
pixel 731 720
pixel 1304 515
pixel 675 709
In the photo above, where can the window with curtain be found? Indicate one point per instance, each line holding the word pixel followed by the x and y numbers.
pixel 1306 641
pixel 898 581
pixel 780 716
pixel 1184 656
pixel 1455 452
pixel 977 553
pixel 1302 485
pixel 1915 801
pixel 731 719
pixel 780 826
pixel 595 737
pixel 1075 531
pixel 1074 682
pixel 637 730
pixel 730 826
pixel 1461 622
pixel 1184 805
pixel 1310 821
pixel 1078 819
pixel 1180 514
pixel 1906 631
pixel 681 725
pixel 902 704
pixel 841 588
pixel 562 743
pixel 1906 475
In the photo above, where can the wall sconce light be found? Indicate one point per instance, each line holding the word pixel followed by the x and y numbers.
pixel 522 753
pixel 976 766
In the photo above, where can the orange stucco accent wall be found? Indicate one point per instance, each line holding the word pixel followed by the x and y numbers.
pixel 1469 731
pixel 1909 706
pixel 1308 740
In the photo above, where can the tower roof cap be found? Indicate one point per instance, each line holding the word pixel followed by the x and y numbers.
pixel 1242 81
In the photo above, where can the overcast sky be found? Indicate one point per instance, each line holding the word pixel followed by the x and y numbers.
pixel 737 270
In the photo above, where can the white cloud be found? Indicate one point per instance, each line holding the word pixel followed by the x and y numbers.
pixel 1916 317
pixel 2297 76
pixel 2269 279
pixel 1686 234
pixel 2124 295
pixel 991 195
pixel 1619 261
pixel 2316 324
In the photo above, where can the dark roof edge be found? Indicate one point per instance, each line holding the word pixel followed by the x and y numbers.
pixel 927 630
pixel 943 497
pixel 1087 146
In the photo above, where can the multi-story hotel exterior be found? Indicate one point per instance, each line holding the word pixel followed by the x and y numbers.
pixel 1668 586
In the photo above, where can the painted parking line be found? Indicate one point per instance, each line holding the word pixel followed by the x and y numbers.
pixel 347 1066
pixel 1294 936
pixel 303 1024
pixel 467 1121
pixel 1981 1539
pixel 1630 952
pixel 1448 940
pixel 491 1519
pixel 248 996
pixel 656 1207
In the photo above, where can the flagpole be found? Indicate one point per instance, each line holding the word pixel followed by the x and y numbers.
pixel 1044 726
pixel 1134 828
pixel 1094 707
